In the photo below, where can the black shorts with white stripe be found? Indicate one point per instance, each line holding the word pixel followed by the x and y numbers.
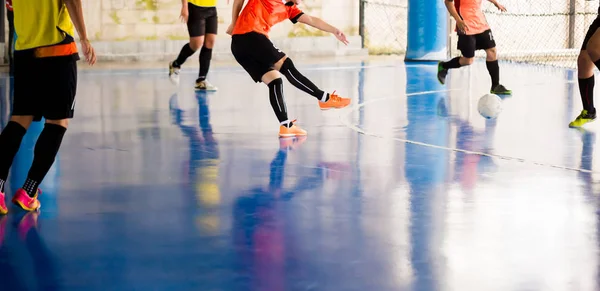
pixel 44 87
pixel 255 53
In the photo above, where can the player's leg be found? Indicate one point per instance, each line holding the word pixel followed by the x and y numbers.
pixel 276 97
pixel 466 45
pixel 211 28
pixel 253 52
pixel 585 74
pixel 25 106
pixel 326 100
pixel 485 41
pixel 196 30
pixel 58 109
pixel 491 63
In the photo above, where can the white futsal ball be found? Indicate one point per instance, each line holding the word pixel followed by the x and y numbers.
pixel 489 106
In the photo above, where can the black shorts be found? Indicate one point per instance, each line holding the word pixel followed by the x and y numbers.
pixel 202 20
pixel 256 53
pixel 44 87
pixel 593 27
pixel 468 44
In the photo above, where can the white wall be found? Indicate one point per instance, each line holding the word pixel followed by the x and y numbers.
pixel 159 19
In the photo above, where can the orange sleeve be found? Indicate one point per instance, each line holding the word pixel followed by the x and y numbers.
pixel 293 12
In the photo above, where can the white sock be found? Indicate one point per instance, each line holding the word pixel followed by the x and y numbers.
pixel 325 97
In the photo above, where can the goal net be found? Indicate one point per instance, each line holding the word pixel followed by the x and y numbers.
pixel 385 25
pixel 545 32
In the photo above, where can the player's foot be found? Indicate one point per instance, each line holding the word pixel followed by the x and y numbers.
pixel 583 118
pixel 27 203
pixel 3 208
pixel 295 130
pixel 205 86
pixel 174 73
pixel 334 101
pixel 442 73
pixel 500 90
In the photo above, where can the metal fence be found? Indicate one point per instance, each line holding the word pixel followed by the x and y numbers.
pixel 534 31
pixel 383 25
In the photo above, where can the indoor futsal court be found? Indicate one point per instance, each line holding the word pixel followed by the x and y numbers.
pixel 158 186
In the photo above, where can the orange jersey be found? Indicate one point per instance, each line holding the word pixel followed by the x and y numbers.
pixel 471 13
pixel 260 15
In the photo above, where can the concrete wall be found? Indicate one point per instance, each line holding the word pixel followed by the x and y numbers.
pixel 151 29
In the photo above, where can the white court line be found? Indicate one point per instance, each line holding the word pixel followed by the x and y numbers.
pixel 155 71
pixel 347 123
pixel 189 71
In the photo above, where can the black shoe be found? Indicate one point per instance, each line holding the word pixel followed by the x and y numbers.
pixel 442 73
pixel 500 90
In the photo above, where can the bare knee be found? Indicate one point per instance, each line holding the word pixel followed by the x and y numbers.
pixel 279 63
pixel 196 42
pixel 466 61
pixel 593 46
pixel 491 55
pixel 209 41
pixel 23 120
pixel 585 66
pixel 593 51
pixel 270 76
pixel 62 122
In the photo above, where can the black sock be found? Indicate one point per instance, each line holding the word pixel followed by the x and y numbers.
pixel 494 71
pixel 184 54
pixel 452 64
pixel 586 90
pixel 277 102
pixel 10 142
pixel 299 81
pixel 44 153
pixel 205 57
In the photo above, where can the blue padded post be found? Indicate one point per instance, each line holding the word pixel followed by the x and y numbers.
pixel 427 30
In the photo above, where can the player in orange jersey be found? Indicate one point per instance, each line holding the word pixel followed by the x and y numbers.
pixel 474 33
pixel 264 62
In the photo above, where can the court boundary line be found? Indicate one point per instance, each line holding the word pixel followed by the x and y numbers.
pixel 191 71
pixel 347 123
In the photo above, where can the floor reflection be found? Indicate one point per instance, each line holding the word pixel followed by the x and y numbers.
pixel 163 188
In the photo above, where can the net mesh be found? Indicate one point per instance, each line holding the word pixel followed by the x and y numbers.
pixel 545 32
pixel 541 31
pixel 385 25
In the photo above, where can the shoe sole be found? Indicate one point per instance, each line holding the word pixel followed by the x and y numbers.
pixel 438 76
pixel 440 80
pixel 329 108
pixel 174 81
pixel 291 135
pixel 18 203
pixel 580 126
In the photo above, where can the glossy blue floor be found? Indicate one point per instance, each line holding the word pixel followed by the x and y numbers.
pixel 161 188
